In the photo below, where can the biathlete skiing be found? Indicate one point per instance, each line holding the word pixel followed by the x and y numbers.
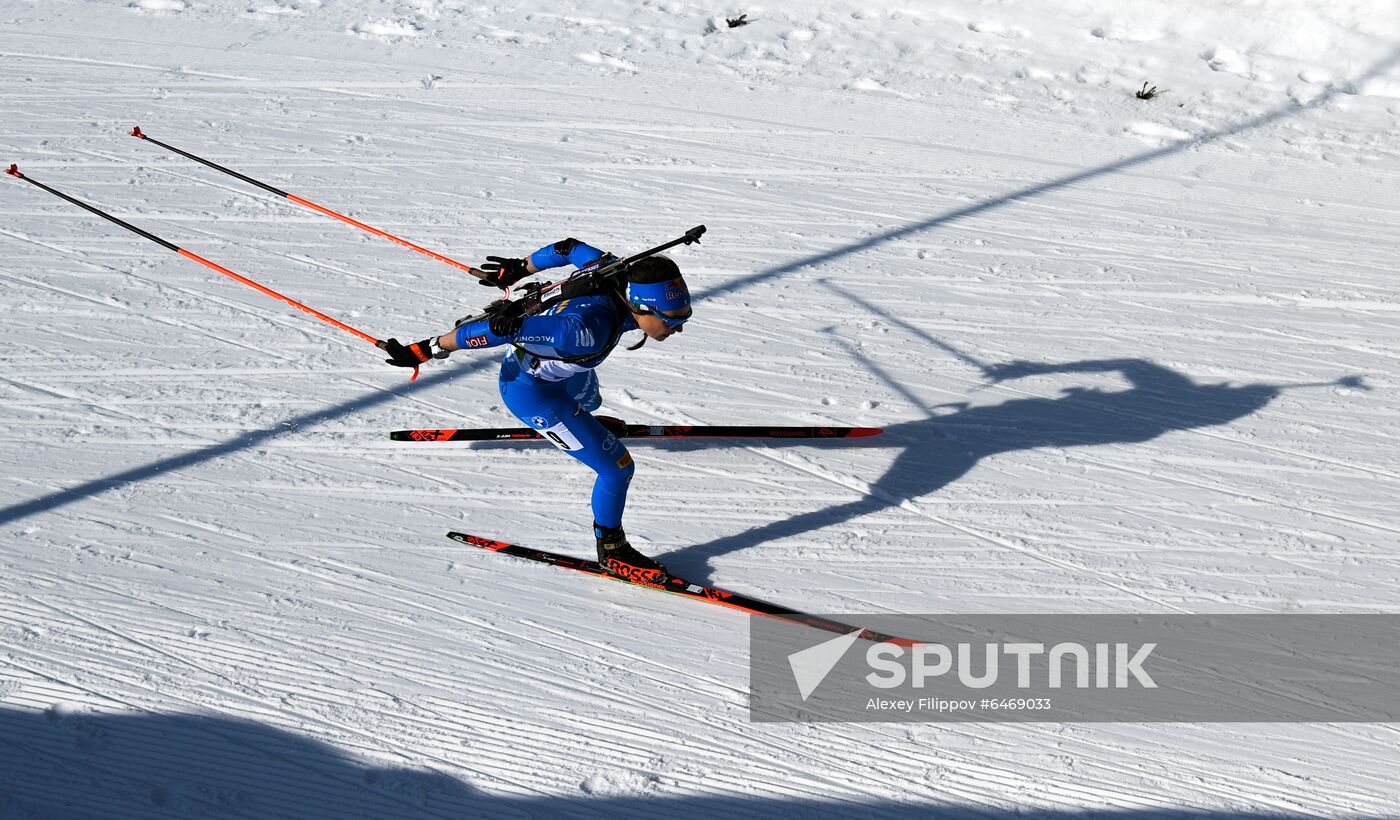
pixel 547 377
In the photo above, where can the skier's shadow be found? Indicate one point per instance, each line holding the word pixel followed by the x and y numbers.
pixel 943 447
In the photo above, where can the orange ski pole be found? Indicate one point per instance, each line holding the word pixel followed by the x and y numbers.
pixel 14 172
pixel 136 132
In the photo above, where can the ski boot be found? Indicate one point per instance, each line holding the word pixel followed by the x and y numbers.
pixel 619 558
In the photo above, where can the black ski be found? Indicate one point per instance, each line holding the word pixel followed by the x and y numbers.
pixel 622 429
pixel 676 586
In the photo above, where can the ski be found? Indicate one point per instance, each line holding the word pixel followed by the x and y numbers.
pixel 676 586
pixel 622 429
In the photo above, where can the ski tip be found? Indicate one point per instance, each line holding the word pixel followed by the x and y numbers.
pixel 136 132
pixel 421 435
pixel 862 432
pixel 478 541
pixel 13 170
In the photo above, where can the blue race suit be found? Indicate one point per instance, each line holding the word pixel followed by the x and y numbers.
pixel 547 377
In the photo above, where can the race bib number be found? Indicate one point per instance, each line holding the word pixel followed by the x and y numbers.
pixel 562 437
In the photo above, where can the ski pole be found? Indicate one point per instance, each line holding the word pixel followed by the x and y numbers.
pixel 136 132
pixel 13 171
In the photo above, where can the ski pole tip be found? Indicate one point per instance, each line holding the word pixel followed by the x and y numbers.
pixel 13 171
pixel 136 132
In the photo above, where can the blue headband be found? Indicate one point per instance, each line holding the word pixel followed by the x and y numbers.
pixel 660 296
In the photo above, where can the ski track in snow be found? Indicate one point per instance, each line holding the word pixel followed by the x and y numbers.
pixel 209 538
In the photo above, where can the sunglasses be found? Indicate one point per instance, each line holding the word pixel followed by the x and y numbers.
pixel 671 322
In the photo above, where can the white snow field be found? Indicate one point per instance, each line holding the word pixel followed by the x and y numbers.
pixel 1130 356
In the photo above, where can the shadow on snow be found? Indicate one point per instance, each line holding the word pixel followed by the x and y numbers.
pixel 60 764
pixel 244 441
pixel 943 447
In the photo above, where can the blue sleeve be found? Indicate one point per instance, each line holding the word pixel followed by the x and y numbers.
pixel 565 252
pixel 565 334
pixel 558 332
pixel 478 334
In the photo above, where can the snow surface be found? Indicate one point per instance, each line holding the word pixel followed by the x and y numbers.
pixel 1131 356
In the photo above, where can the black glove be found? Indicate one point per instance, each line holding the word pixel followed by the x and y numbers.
pixel 401 355
pixel 506 317
pixel 502 272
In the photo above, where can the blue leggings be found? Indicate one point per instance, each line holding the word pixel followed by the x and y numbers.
pixel 560 411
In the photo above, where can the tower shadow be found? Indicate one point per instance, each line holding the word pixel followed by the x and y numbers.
pixel 940 449
pixel 1380 69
